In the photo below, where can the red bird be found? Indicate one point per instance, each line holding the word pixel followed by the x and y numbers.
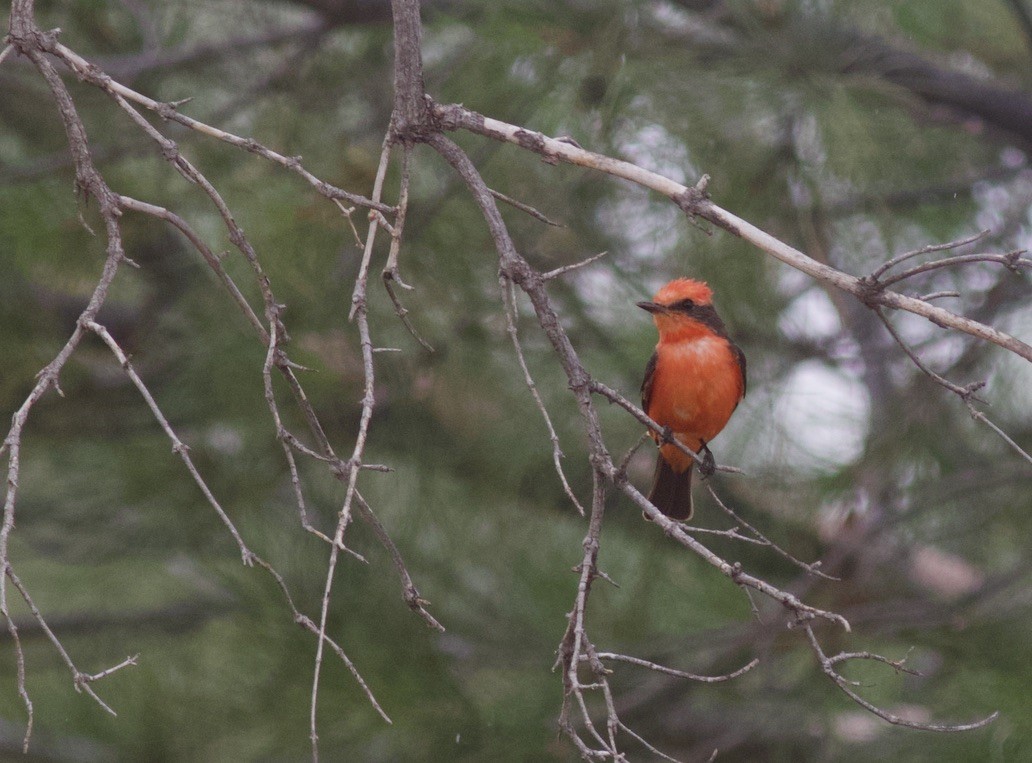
pixel 693 382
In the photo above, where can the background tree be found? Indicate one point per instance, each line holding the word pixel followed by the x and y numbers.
pixel 854 133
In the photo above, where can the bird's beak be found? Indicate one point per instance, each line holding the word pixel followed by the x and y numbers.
pixel 652 307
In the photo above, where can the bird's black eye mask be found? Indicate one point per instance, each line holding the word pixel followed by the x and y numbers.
pixel 705 314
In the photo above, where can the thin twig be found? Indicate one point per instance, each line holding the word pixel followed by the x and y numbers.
pixel 678 673
pixel 359 315
pixel 409 591
pixel 885 266
pixel 733 571
pixel 84 678
pixel 87 72
pixel 966 393
pixel 178 446
pixel 732 533
pixel 391 275
pixel 306 622
pixel 811 568
pixel 574 266
pixel 622 466
pixel 289 442
pixel 1012 261
pixel 510 310
pixel 828 666
pixel 939 295
pixel 524 208
pixel 209 257
pixel 26 37
pixel 77 675
pixel 646 744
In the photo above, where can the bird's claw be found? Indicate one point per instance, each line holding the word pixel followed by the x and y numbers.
pixel 709 463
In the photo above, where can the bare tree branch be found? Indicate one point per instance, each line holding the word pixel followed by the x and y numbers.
pixel 87 72
pixel 828 666
pixel 695 202
pixel 678 673
pixel 509 302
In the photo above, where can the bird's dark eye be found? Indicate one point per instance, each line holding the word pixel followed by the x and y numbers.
pixel 684 304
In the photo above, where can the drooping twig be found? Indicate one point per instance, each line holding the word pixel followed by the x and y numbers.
pixel 966 393
pixel 510 309
pixel 178 446
pixel 350 473
pixel 828 666
pixel 391 274
pixel 87 72
pixel 79 679
pixel 812 568
pixel 540 216
pixel 289 442
pixel 732 570
pixel 25 37
pixel 409 591
pixel 209 257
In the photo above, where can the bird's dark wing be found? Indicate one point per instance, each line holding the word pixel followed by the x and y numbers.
pixel 740 357
pixel 646 384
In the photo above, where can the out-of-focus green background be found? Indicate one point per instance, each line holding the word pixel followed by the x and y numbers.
pixel 852 130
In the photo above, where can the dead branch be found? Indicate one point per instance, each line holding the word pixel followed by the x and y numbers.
pixel 828 666
pixel 678 673
pixel 509 303
pixel 391 275
pixel 696 203
pixel 87 72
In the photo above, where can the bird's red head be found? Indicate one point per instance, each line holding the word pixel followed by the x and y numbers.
pixel 684 288
pixel 683 309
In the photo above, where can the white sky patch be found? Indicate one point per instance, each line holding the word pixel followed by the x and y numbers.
pixel 823 416
pixel 604 295
pixel 810 316
pixel 653 148
pixel 649 231
pixel 1010 385
pixel 524 69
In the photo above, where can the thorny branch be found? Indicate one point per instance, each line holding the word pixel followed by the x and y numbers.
pixel 828 666
pixel 966 393
pixel 350 473
pixel 416 119
pixel 26 39
pixel 576 647
pixel 391 274
pixel 511 317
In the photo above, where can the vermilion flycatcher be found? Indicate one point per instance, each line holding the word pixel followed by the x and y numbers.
pixel 693 382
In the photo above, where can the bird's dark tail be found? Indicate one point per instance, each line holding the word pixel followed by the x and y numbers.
pixel 672 491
